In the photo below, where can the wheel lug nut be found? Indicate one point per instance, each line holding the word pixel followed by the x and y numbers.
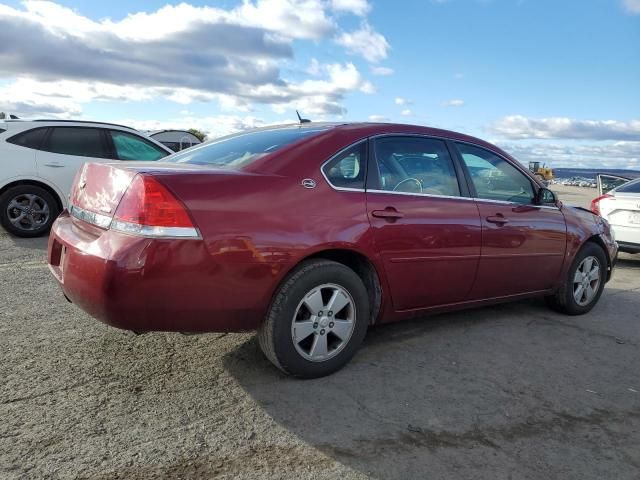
pixel 320 313
pixel 330 324
pixel 330 313
pixel 322 332
pixel 315 324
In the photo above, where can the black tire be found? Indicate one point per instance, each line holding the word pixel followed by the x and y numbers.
pixel 275 334
pixel 40 225
pixel 563 301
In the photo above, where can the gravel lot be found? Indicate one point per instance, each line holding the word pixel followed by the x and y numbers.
pixel 507 392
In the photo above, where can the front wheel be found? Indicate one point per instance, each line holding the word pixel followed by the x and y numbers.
pixel 317 320
pixel 584 284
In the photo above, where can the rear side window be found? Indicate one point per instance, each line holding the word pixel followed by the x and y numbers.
pixel 631 187
pixel 415 165
pixel 133 147
pixel 29 139
pixel 239 150
pixel 82 142
pixel 347 169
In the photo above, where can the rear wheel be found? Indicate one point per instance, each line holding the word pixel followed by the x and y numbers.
pixel 27 210
pixel 317 320
pixel 584 284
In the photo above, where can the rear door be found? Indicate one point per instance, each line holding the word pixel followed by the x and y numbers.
pixel 427 228
pixel 65 149
pixel 523 244
pixel 622 211
pixel 607 182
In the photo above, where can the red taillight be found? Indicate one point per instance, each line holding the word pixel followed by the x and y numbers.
pixel 148 208
pixel 595 203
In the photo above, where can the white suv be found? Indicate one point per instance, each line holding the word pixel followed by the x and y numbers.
pixel 39 160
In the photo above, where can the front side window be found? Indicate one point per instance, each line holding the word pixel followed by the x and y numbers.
pixel 415 165
pixel 346 170
pixel 82 142
pixel 29 139
pixel 494 178
pixel 133 147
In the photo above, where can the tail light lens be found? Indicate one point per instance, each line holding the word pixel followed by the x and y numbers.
pixel 149 209
pixel 595 203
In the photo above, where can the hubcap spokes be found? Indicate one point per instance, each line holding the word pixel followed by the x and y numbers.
pixel 28 211
pixel 586 281
pixel 323 322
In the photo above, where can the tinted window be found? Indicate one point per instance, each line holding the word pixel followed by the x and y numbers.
pixel 346 170
pixel 133 147
pixel 83 142
pixel 494 177
pixel 238 150
pixel 415 165
pixel 631 187
pixel 30 139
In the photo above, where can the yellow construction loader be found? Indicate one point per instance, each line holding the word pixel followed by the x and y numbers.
pixel 542 172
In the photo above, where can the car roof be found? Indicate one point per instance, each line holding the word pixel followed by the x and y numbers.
pixel 53 121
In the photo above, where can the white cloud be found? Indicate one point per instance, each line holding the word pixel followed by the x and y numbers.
pixel 406 112
pixel 357 7
pixel 365 42
pixel 456 102
pixel 402 101
pixel 382 71
pixel 519 127
pixel 179 52
pixel 632 6
pixel 578 155
pixel 378 118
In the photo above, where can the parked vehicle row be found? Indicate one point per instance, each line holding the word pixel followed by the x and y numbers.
pixel 41 158
pixel 311 233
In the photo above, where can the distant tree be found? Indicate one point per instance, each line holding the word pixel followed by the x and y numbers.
pixel 201 136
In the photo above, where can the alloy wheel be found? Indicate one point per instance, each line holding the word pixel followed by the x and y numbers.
pixel 28 212
pixel 323 322
pixel 586 281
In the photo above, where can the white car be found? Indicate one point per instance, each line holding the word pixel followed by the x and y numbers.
pixel 620 206
pixel 39 160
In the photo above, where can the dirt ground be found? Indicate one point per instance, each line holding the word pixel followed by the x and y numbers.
pixel 507 392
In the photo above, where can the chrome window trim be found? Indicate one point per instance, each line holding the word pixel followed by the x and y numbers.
pixel 97 219
pixel 338 153
pixel 391 192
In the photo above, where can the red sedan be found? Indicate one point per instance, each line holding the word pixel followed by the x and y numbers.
pixel 311 233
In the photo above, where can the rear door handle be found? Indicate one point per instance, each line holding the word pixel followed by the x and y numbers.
pixel 388 213
pixel 54 165
pixel 499 219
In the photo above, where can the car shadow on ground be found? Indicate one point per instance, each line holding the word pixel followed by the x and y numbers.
pixel 37 243
pixel 485 393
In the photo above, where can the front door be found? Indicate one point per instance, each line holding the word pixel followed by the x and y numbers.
pixel 427 229
pixel 523 244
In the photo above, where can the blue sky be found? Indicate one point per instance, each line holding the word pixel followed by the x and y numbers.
pixel 550 80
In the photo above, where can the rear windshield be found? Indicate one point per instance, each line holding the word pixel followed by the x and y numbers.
pixel 241 149
pixel 631 187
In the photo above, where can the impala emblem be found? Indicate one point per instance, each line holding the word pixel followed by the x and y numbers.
pixel 309 183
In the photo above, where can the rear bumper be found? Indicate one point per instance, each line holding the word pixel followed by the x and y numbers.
pixel 144 284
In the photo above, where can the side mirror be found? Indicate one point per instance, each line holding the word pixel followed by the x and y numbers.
pixel 546 197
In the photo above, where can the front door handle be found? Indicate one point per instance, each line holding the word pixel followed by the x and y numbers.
pixel 499 219
pixel 54 165
pixel 388 213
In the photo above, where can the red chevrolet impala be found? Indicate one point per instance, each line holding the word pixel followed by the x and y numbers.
pixel 310 233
